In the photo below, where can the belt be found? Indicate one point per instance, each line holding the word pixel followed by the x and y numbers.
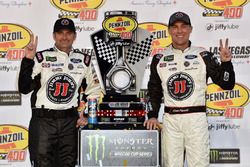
pixel 49 113
pixel 184 110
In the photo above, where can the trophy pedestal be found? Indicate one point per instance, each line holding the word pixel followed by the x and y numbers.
pixel 122 50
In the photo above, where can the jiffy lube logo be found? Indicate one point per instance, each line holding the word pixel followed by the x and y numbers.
pixel 84 10
pixel 226 8
pixel 119 24
pixel 13 142
pixel 13 38
pixel 230 102
pixel 161 36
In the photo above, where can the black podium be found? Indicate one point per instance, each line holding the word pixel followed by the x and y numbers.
pixel 118 147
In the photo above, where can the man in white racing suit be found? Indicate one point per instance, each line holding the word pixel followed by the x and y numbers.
pixel 180 74
pixel 55 76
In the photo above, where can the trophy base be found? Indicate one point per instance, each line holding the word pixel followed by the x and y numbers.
pixel 121 109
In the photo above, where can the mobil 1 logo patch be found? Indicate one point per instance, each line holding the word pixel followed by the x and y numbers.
pixel 61 88
pixel 180 86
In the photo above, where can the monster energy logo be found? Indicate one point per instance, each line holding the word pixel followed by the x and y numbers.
pixel 224 156
pixel 214 156
pixel 3 156
pixel 96 143
pixel 52 59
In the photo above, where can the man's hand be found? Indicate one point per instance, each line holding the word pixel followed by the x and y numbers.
pixel 82 121
pixel 152 123
pixel 225 54
pixel 30 49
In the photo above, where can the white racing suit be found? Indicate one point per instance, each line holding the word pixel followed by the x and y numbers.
pixel 55 79
pixel 181 78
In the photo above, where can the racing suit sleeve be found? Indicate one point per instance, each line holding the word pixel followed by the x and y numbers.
pixel 154 89
pixel 28 77
pixel 221 74
pixel 92 84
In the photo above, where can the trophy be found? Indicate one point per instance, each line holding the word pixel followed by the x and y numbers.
pixel 122 50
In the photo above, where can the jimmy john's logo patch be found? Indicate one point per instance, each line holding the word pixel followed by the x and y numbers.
pixel 61 88
pixel 180 86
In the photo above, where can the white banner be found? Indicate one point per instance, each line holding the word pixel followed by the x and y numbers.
pixel 211 20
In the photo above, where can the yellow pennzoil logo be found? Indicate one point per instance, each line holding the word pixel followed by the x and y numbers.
pixel 232 9
pixel 13 36
pixel 161 37
pixel 219 99
pixel 119 24
pixel 221 4
pixel 77 6
pixel 13 137
pixel 160 31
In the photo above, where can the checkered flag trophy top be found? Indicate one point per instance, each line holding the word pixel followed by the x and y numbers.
pixel 122 59
pixel 139 51
pixel 133 61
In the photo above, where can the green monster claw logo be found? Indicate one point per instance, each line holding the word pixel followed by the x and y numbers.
pixel 99 144
pixel 214 156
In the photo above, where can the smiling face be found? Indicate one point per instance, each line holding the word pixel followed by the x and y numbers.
pixel 64 39
pixel 180 33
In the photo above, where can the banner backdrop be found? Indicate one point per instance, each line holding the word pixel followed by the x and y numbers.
pixel 211 20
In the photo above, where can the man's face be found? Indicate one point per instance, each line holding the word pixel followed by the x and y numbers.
pixel 180 33
pixel 64 39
